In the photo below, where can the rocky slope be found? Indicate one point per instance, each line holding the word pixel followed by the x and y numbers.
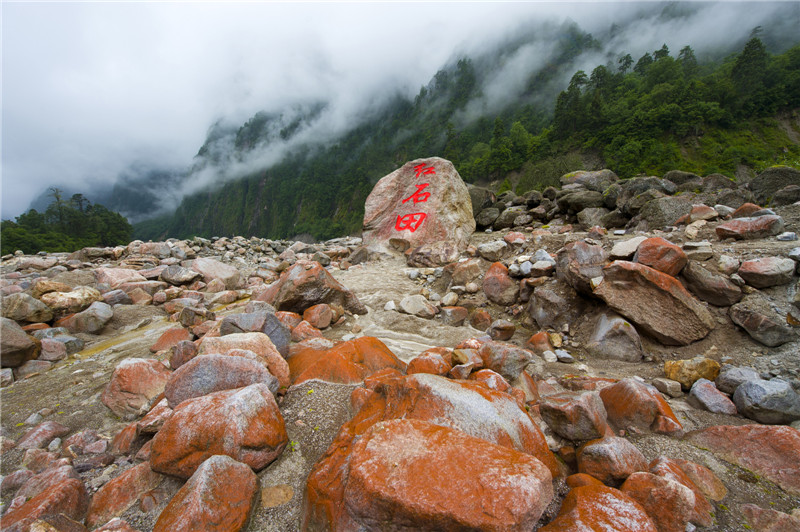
pixel 612 352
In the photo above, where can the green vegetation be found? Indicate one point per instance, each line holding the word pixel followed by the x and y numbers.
pixel 650 115
pixel 66 225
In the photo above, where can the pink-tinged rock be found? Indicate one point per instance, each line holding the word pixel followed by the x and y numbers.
pixel 14 481
pixel 575 416
pixel 756 316
pixel 710 287
pixel 600 508
pixel 746 210
pixel 610 460
pixel 706 481
pixel 656 302
pixel 133 386
pixel 16 347
pixel 668 503
pixel 514 238
pixel 37 460
pixel 304 331
pixel 480 320
pixel 44 285
pixel 68 497
pixel 767 271
pixel 182 353
pixel 124 440
pixel 632 404
pixel 433 254
pixel 318 316
pixel 244 424
pixel 114 277
pixel 770 451
pixel 213 373
pixel 499 287
pixel 220 497
pixel 53 350
pixel 307 283
pixel 506 359
pixel 454 316
pixel 767 520
pixel 423 201
pixel 31 368
pixel 501 330
pixel 258 343
pixel 701 212
pixel 96 447
pixel 432 363
pixel 213 269
pixel 140 297
pixel 661 255
pixel 578 263
pixel 170 338
pixel 46 479
pixel 705 395
pixel 70 302
pixel 702 512
pixel 154 419
pixel 41 435
pixel 290 319
pixel 751 228
pixel 402 471
pixel 120 493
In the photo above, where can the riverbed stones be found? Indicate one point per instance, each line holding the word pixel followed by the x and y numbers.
pixel 16 346
pixel 212 269
pixel 133 386
pixel 22 307
pixel 768 271
pixel 769 402
pixel 751 228
pixel 423 201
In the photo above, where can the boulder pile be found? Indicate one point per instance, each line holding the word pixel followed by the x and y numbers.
pixel 614 354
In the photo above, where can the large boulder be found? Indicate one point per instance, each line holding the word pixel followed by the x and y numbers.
pixel 68 498
pixel 135 383
pixel 498 286
pixel 92 320
pixel 771 180
pixel 423 201
pixel 348 362
pixel 615 338
pixel 770 402
pixel 756 316
pixel 600 508
pixel 654 301
pixel 16 347
pixel 306 284
pixel 709 286
pixel 579 262
pixel 597 180
pixel 662 212
pixel 751 228
pixel 244 424
pixel 22 307
pixel 74 301
pixel 212 269
pixel 259 343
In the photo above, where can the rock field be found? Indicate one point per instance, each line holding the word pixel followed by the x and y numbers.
pixel 610 355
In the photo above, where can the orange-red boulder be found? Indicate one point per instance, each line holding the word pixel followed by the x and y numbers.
pixel 575 416
pixel 304 331
pixel 768 520
pixel 750 228
pixel 133 386
pixel 668 503
pixel 401 474
pixel 120 493
pixel 770 451
pixel 661 255
pixel 170 338
pixel 51 476
pixel 219 497
pixel 630 403
pixel 258 343
pixel 318 316
pixel 68 497
pixel 244 424
pixel 432 363
pixel 705 479
pixel 506 359
pixel 590 508
pixel 701 513
pixel 347 363
pixel 498 286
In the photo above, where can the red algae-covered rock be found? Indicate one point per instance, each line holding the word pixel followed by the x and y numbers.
pixel 307 283
pixel 630 403
pixel 701 513
pixel 750 228
pixel 610 459
pixel 492 380
pixel 44 480
pixel 219 497
pixel 401 471
pixel 705 479
pixel 41 435
pixel 347 363
pixel 432 363
pixel 258 343
pixel 600 508
pixel 582 479
pixel 423 201
pixel 318 316
pixel 120 493
pixel 656 302
pixel 768 520
pixel 498 286
pixel 506 359
pixel 68 497
pixel 170 338
pixel 767 271
pixel 770 451
pixel 244 424
pixel 661 255
pixel 575 416
pixel 668 503
pixel 133 385
pixel 304 331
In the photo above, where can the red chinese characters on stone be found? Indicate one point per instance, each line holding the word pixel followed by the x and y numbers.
pixel 420 169
pixel 410 221
pixel 419 196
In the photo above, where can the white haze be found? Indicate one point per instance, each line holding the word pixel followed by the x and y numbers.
pixel 90 89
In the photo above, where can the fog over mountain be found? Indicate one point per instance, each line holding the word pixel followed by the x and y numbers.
pixel 99 94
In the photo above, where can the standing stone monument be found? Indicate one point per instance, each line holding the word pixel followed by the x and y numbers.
pixel 422 202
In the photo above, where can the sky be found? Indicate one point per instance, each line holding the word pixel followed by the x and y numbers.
pixel 90 88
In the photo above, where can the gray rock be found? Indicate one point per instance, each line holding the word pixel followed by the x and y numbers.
pixel 710 287
pixel 417 305
pixel 615 338
pixel 787 195
pixel 590 217
pixel 580 200
pixel 766 184
pixel 788 236
pixel 16 346
pixel 730 377
pixel 663 212
pixel 755 315
pixel 487 217
pixel 493 251
pixel 680 177
pixel 771 402
pixel 597 180
pixel 177 275
pixel 625 249
pixel 668 386
pixel 6 377
pixel 767 271
pixel 507 217
pixel 705 395
pixel 481 198
pixel 23 307
pixel 564 357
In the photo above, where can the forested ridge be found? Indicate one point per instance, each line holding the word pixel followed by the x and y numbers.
pixel 66 225
pixel 649 115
